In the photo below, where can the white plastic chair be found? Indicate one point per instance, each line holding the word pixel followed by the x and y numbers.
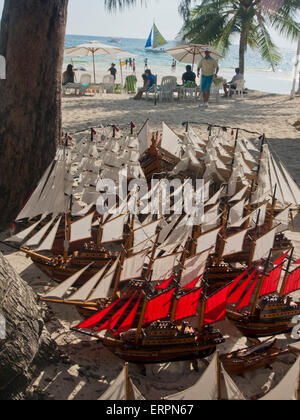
pixel 239 90
pixel 108 83
pixel 167 87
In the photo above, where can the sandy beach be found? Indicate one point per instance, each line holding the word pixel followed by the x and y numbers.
pixel 87 369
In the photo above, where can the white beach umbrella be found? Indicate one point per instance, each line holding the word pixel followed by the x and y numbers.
pixel 92 49
pixel 191 53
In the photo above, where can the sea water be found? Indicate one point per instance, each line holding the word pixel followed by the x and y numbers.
pixel 258 74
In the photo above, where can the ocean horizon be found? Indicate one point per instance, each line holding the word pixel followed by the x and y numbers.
pixel 258 74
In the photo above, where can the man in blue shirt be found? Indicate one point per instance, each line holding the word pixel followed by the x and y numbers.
pixel 151 80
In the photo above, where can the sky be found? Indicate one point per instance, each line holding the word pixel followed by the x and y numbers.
pixel 89 17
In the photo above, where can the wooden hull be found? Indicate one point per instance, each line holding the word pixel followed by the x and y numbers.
pixel 148 356
pixel 252 358
pixel 59 271
pixel 260 327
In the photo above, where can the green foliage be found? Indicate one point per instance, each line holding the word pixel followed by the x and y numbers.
pixel 215 22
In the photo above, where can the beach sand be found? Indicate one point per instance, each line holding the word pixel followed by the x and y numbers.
pixel 88 368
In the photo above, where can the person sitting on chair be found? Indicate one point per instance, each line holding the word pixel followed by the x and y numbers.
pixel 189 75
pixel 68 75
pixel 151 80
pixel 231 86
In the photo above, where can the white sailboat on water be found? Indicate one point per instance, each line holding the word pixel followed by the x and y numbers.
pixel 155 40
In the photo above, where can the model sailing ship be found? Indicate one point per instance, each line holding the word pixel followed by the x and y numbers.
pixel 114 259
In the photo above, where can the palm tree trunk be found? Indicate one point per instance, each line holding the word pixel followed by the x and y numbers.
pixel 32 39
pixel 243 47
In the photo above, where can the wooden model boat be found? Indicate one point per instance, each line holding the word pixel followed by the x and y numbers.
pixel 268 315
pixel 252 358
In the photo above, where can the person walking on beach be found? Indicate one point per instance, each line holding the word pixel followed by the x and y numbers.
pixel 146 63
pixel 130 63
pixel 209 69
pixel 113 70
pixel 133 65
pixel 151 80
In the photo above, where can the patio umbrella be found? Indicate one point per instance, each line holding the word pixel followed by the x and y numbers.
pixel 190 53
pixel 92 49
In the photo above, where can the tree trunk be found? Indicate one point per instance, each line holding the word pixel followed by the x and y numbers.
pixel 32 39
pixel 243 47
pixel 25 343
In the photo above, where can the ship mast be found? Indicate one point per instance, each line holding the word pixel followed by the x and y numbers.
pixel 260 284
pixel 286 276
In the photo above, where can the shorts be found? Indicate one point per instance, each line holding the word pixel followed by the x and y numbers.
pixel 206 83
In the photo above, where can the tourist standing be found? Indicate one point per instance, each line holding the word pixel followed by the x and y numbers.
pixel 209 69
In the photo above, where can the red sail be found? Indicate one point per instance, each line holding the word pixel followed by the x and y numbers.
pixel 165 284
pixel 94 320
pixel 238 293
pixel 193 283
pixel 280 260
pixel 247 298
pixel 293 282
pixel 271 281
pixel 115 318
pixel 129 321
pixel 215 309
pixel 187 305
pixel 159 307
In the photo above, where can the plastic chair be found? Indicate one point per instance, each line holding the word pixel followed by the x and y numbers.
pixel 167 87
pixel 239 90
pixel 130 84
pixel 108 83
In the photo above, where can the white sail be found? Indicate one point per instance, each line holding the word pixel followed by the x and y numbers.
pixel 36 239
pixel 133 267
pixel 102 290
pixel 143 137
pixel 83 292
pixel 207 241
pixel 215 198
pixel 145 232
pixel 233 393
pixel 49 240
pixel 21 236
pixel 236 212
pixel 163 267
pixel 288 388
pixel 167 229
pixel 148 243
pixel 238 196
pixel 59 291
pixel 117 391
pixel 294 188
pixel 205 389
pixel 29 208
pixel 194 267
pixel 258 216
pixel 82 229
pixel 234 243
pixel 264 245
pixel 113 229
pixel 282 220
pixel 168 249
pixel 170 141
